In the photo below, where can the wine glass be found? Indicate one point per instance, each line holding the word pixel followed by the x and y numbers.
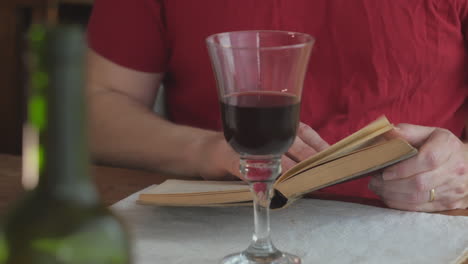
pixel 260 76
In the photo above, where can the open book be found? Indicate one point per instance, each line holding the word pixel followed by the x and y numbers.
pixel 359 154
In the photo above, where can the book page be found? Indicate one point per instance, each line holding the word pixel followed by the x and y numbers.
pixel 197 187
pixel 348 167
pixel 359 139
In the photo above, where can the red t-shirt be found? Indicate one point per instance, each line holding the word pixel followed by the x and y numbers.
pixel 405 59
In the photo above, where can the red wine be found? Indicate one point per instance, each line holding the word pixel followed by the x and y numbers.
pixel 260 123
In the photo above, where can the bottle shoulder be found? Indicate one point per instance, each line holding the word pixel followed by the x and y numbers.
pixel 42 210
pixel 40 227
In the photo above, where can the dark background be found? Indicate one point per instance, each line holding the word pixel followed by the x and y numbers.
pixel 16 16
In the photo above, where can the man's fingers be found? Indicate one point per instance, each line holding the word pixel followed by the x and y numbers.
pixel 450 184
pixel 307 143
pixel 287 163
pixel 434 206
pixel 425 207
pixel 443 193
pixel 300 150
pixel 311 137
pixel 436 151
pixel 420 182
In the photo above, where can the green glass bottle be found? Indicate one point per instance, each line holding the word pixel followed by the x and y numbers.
pixel 62 220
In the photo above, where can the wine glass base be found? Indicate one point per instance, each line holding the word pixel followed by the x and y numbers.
pixel 241 258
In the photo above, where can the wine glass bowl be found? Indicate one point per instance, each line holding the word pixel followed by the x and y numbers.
pixel 260 77
pixel 248 119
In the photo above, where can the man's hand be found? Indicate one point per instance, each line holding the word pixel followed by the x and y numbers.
pixel 441 164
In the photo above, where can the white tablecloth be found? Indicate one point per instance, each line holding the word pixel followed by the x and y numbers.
pixel 316 230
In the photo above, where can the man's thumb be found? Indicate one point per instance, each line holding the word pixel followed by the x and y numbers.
pixel 415 135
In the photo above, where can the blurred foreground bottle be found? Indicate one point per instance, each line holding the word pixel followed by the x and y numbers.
pixel 62 220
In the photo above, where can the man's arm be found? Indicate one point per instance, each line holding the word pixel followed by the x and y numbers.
pixel 126 132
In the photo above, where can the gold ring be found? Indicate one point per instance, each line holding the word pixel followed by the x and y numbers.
pixel 431 195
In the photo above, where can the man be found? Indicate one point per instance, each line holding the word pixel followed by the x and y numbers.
pixel 404 59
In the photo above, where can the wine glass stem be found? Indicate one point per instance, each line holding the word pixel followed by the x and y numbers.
pixel 261 237
pixel 261 174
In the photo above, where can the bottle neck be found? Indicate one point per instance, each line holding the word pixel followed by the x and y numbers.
pixel 66 173
pixel 62 145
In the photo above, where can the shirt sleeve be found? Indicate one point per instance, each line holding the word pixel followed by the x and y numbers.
pixel 130 33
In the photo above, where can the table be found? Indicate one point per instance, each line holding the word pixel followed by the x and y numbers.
pixel 319 231
pixel 114 184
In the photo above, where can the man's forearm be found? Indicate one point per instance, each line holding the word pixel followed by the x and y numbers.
pixel 127 134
